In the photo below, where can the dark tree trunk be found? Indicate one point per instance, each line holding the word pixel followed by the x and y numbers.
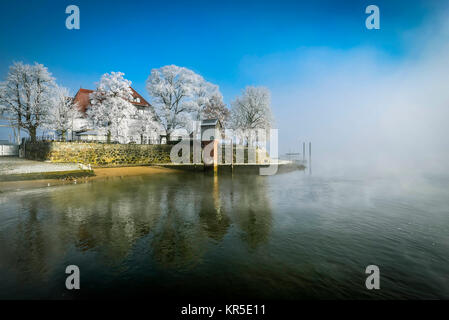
pixel 32 132
pixel 63 135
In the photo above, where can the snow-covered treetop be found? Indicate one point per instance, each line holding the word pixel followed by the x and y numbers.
pixel 25 85
pixel 216 109
pixel 179 95
pixel 64 111
pixel 252 110
pixel 26 95
pixel 111 108
pixel 112 85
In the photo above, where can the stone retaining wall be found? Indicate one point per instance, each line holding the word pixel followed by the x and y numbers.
pixel 115 155
pixel 98 154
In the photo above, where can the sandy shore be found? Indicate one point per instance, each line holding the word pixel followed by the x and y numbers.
pixel 100 173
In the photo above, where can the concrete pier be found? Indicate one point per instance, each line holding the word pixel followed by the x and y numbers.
pixel 227 168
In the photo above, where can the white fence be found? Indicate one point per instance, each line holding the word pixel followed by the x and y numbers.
pixel 9 150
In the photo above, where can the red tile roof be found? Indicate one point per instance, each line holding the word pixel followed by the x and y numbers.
pixel 142 103
pixel 83 100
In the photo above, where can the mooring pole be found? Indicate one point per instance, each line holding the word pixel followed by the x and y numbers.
pixel 303 152
pixel 310 157
pixel 215 142
pixel 232 158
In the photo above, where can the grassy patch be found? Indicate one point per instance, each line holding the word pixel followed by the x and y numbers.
pixel 61 175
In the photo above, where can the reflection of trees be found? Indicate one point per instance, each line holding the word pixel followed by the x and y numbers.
pixel 213 218
pixel 109 216
pixel 30 245
pixel 106 218
pixel 251 207
pixel 175 213
pixel 177 240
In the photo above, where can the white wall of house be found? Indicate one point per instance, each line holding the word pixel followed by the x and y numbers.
pixel 91 137
pixel 82 124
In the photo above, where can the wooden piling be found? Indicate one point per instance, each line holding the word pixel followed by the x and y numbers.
pixel 310 157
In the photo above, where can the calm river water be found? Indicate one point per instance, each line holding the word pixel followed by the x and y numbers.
pixel 289 236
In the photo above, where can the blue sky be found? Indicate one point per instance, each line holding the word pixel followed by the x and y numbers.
pixel 230 43
pixel 214 38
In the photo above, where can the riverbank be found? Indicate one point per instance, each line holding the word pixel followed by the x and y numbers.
pixel 102 173
pixel 52 175
pixel 13 169
pixel 46 179
pixel 16 166
pixel 19 174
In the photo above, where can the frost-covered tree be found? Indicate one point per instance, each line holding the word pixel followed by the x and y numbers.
pixel 63 112
pixel 203 93
pixel 26 96
pixel 215 108
pixel 252 111
pixel 111 109
pixel 144 124
pixel 178 95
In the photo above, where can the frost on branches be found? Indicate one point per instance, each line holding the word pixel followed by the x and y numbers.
pixel 144 127
pixel 111 109
pixel 216 109
pixel 251 112
pixel 179 96
pixel 26 96
pixel 64 112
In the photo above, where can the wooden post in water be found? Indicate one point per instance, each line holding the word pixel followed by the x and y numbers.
pixel 303 152
pixel 310 157
pixel 232 157
pixel 215 156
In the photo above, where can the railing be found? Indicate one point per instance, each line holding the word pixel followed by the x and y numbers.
pixel 9 150
pixel 57 139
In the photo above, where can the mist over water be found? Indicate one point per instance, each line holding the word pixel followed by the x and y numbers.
pixel 366 111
